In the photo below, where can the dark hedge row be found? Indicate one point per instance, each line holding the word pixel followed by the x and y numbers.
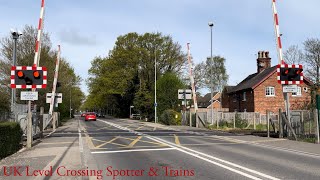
pixel 10 138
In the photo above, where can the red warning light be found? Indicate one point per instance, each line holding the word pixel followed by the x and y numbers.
pixel 20 74
pixel 36 74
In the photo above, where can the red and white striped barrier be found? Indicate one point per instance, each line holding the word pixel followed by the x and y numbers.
pixel 277 32
pixel 43 69
pixel 192 80
pixel 38 41
pixel 56 72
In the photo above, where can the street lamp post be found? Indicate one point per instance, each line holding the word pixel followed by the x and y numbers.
pixel 130 111
pixel 15 35
pixel 211 101
pixel 155 87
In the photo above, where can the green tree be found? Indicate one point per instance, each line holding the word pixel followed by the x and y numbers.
pixel 211 73
pixel 129 70
pixel 167 90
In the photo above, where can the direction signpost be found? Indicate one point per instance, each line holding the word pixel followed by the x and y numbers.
pixel 184 94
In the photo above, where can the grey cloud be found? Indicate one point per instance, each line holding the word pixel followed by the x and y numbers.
pixel 75 38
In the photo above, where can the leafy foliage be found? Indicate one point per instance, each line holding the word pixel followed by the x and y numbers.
pixel 170 117
pixel 167 88
pixel 126 76
pixel 212 73
pixel 10 138
pixel 25 57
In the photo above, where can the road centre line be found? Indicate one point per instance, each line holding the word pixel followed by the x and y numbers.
pixel 197 154
pixel 132 150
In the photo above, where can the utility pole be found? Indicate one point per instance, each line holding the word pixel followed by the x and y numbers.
pixel 155 87
pixel 70 100
pixel 211 77
pixel 15 36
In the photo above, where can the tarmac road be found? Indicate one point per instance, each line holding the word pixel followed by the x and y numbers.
pixel 130 149
pixel 112 148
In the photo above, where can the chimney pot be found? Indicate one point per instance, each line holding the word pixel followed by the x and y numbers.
pixel 263 61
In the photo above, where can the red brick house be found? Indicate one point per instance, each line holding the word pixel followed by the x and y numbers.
pixel 204 102
pixel 260 91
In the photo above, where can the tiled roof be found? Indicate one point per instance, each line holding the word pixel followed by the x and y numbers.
pixel 253 79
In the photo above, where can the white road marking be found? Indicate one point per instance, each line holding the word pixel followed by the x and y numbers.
pixel 132 150
pixel 197 154
pixel 268 146
pixel 80 141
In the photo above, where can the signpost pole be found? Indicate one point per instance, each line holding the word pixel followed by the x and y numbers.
pixel 185 106
pixel 29 126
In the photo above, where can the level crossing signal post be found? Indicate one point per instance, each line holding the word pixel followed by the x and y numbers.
pixel 29 77
pixel 289 75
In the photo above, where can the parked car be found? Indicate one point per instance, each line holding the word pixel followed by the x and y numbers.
pixel 83 114
pixel 100 115
pixel 91 116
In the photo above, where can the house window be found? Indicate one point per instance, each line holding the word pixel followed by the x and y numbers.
pixel 270 91
pixel 234 98
pixel 244 96
pixel 298 93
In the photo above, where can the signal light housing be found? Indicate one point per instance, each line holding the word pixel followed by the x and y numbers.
pixel 289 74
pixel 28 77
pixel 20 74
pixel 36 74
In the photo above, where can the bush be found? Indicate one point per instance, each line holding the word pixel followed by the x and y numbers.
pixel 10 138
pixel 241 123
pixel 170 117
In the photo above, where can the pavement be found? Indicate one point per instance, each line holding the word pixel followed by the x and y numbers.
pixel 111 148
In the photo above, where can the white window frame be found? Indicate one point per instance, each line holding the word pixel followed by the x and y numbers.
pixel 244 96
pixel 298 93
pixel 270 89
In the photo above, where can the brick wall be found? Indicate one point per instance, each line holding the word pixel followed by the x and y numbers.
pixel 240 104
pixel 273 103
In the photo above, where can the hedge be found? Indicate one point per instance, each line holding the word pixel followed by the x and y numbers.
pixel 170 117
pixel 10 138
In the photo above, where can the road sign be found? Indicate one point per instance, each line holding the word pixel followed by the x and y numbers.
pixel 28 96
pixel 58 97
pixel 290 88
pixel 184 93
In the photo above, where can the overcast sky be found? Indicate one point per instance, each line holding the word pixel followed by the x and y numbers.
pixel 89 28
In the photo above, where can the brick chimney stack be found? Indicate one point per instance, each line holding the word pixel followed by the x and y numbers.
pixel 263 61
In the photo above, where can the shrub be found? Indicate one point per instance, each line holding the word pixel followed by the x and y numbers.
pixel 10 138
pixel 241 123
pixel 170 117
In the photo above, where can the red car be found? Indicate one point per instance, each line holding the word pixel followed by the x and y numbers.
pixel 83 114
pixel 91 116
